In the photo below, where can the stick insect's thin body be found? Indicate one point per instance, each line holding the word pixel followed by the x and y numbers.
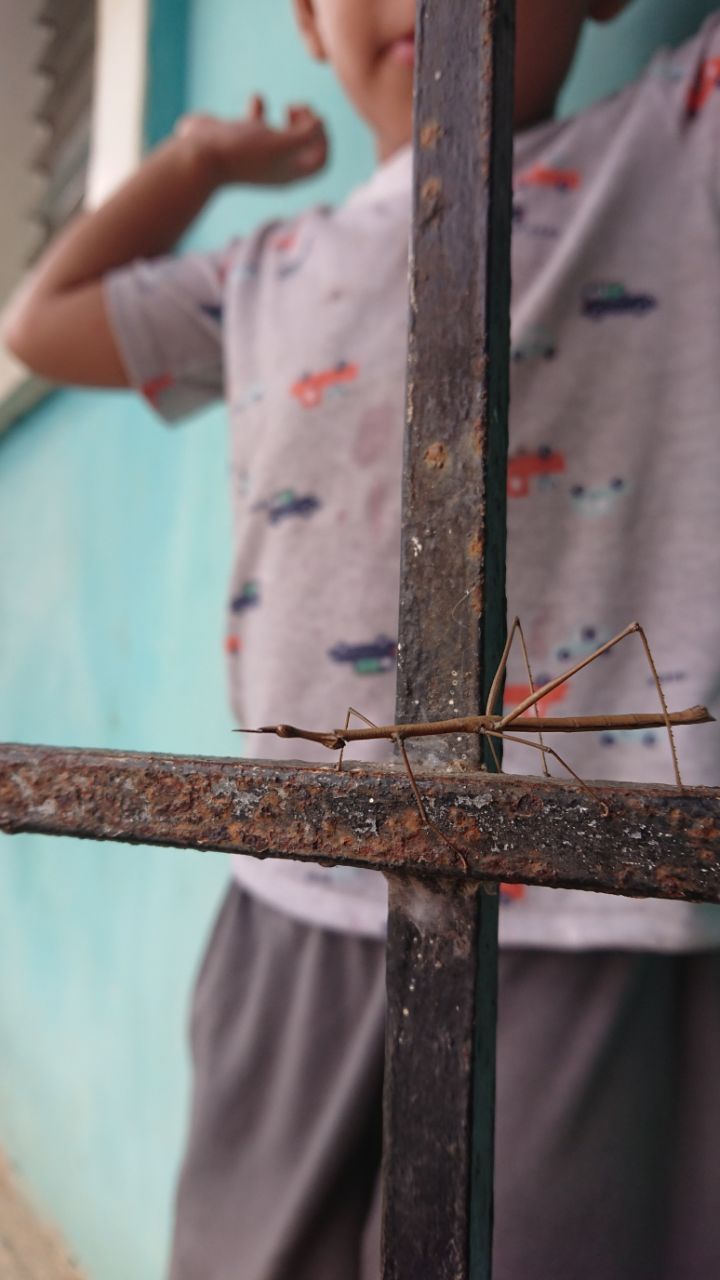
pixel 338 739
pixel 493 726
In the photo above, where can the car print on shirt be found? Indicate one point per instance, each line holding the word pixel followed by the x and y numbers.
pixel 374 657
pixel 598 501
pixel 525 223
pixel 248 596
pixel 292 254
pixel 704 85
pixel 203 384
pixel 213 310
pixel 528 471
pixel 580 644
pixel 547 176
pixel 154 387
pixel 601 299
pixel 535 344
pixel 516 693
pixel 311 388
pixel 285 241
pixel 645 737
pixel 288 503
pixel 510 893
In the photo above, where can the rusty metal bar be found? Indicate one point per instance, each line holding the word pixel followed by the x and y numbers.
pixel 655 842
pixel 442 945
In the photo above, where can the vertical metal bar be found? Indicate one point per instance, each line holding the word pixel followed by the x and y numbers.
pixel 442 945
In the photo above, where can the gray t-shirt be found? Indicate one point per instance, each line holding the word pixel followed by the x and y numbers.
pixel 613 473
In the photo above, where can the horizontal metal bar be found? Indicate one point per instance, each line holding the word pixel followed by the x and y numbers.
pixel 655 841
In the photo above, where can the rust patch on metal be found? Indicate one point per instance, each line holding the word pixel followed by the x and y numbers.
pixel 535 831
pixel 436 455
pixel 431 196
pixel 479 433
pixel 430 134
pixel 476 548
pixel 704 831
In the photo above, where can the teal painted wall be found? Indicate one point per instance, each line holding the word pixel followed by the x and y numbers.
pixel 611 55
pixel 114 534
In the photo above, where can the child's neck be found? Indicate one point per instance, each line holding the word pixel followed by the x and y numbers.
pixel 385 149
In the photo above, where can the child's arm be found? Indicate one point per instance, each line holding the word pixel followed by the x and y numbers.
pixel 57 324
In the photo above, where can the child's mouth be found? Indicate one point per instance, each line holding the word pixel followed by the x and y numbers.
pixel 403 49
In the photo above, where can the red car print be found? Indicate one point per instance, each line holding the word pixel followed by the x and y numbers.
pixel 153 389
pixel 525 467
pixel 708 79
pixel 516 693
pixel 512 892
pixel 285 241
pixel 557 179
pixel 312 388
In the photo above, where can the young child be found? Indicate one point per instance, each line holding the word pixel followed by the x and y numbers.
pixel 608 1126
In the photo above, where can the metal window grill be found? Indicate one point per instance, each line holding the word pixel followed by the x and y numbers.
pixel 442 939
pixel 65 110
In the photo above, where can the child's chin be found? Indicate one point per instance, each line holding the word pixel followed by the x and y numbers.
pixel 402 52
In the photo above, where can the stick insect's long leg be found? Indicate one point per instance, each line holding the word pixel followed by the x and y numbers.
pixel 633 628
pixel 544 689
pixel 352 712
pixel 550 751
pixel 515 629
pixel 495 686
pixel 421 804
pixel 663 703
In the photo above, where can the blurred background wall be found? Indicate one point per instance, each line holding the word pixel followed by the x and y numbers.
pixel 115 539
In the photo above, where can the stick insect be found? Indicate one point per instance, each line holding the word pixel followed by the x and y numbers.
pixel 493 725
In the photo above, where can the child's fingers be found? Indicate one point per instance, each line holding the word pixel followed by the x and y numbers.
pixel 299 117
pixel 256 108
pixel 312 154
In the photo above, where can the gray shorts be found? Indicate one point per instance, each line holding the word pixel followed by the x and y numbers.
pixel 608 1113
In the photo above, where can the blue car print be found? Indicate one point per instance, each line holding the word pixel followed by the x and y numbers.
pixel 599 300
pixel 371 658
pixel 248 596
pixel 288 503
pixel 648 737
pixel 580 644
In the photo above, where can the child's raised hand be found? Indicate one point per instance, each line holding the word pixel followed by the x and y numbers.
pixel 58 323
pixel 253 151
